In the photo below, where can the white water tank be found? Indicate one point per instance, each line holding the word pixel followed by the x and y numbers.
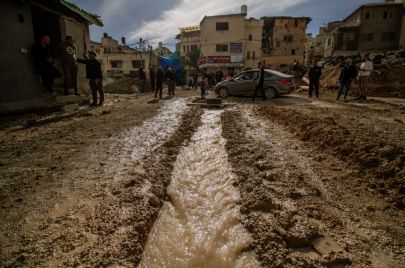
pixel 243 10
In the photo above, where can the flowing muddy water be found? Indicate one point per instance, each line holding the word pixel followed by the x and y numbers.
pixel 200 226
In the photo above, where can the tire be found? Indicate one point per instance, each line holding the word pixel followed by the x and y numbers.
pixel 270 93
pixel 223 92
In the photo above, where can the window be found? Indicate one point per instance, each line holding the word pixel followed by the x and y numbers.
pixel 250 37
pixel 116 63
pixel 248 55
pixel 292 51
pixel 138 63
pixel 254 55
pixel 388 36
pixel 329 41
pixel 222 26
pixel 222 47
pixel 288 38
pixel 296 23
pixel 348 36
pixel 367 37
pixel 278 44
pixel 184 48
pixel 369 15
pixel 388 15
pixel 193 47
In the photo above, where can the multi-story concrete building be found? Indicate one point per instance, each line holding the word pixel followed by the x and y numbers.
pixel 370 28
pixel 120 60
pixel 284 40
pixel 230 42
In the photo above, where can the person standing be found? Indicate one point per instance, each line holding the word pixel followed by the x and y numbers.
pixel 195 80
pixel 348 73
pixel 170 78
pixel 152 77
pixel 68 52
pixel 219 75
pixel 142 79
pixel 43 61
pixel 259 82
pixel 95 76
pixel 314 75
pixel 159 82
pixel 366 68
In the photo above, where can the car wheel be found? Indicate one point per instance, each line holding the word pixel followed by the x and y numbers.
pixel 270 93
pixel 223 92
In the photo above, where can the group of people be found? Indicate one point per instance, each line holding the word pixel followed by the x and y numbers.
pixel 66 52
pixel 157 78
pixel 348 74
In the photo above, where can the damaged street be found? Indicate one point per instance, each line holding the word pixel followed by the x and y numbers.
pixel 286 183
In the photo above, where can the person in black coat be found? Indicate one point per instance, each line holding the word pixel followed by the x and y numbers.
pixel 95 76
pixel 219 75
pixel 314 75
pixel 159 82
pixel 348 73
pixel 152 77
pixel 43 61
pixel 259 82
pixel 170 77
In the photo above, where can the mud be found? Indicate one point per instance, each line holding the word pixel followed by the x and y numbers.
pixel 371 142
pixel 95 205
pixel 297 211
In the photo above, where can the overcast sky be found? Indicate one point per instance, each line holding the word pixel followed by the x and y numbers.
pixel 159 20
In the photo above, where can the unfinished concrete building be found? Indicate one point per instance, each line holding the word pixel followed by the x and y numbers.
pixel 284 40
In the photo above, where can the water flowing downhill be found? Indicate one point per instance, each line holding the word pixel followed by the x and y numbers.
pixel 199 227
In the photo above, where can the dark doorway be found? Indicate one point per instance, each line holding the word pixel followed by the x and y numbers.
pixel 45 23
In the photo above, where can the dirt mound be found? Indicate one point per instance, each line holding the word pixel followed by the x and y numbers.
pixel 125 86
pixel 380 161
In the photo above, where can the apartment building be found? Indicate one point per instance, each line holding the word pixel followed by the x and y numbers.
pixel 376 27
pixel 230 42
pixel 121 60
pixel 284 40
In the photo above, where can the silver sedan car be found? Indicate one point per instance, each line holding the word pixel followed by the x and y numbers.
pixel 244 84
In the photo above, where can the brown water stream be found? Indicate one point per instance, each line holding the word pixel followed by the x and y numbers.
pixel 200 226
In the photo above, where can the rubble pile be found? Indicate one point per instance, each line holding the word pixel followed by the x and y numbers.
pixel 387 80
pixel 124 86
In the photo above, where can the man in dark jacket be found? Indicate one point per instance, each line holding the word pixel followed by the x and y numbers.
pixel 159 82
pixel 43 60
pixel 259 80
pixel 142 78
pixel 67 53
pixel 219 75
pixel 348 73
pixel 314 75
pixel 152 77
pixel 95 76
pixel 170 77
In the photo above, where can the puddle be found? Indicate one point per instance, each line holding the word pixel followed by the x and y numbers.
pixel 200 226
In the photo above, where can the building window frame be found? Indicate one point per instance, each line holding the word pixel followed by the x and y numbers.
pixel 221 47
pixel 250 37
pixel 288 38
pixel 248 55
pixel 137 63
pixel 116 64
pixel 222 26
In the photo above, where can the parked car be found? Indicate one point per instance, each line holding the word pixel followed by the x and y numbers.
pixel 275 84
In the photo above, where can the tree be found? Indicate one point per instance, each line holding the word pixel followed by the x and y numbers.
pixel 192 57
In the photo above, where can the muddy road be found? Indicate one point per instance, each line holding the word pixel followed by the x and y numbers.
pixel 290 182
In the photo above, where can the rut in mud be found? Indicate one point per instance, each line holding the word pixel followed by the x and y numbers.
pixel 106 220
pixel 294 218
pixel 200 226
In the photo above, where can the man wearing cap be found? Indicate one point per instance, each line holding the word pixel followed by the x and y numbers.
pixel 95 76
pixel 348 73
